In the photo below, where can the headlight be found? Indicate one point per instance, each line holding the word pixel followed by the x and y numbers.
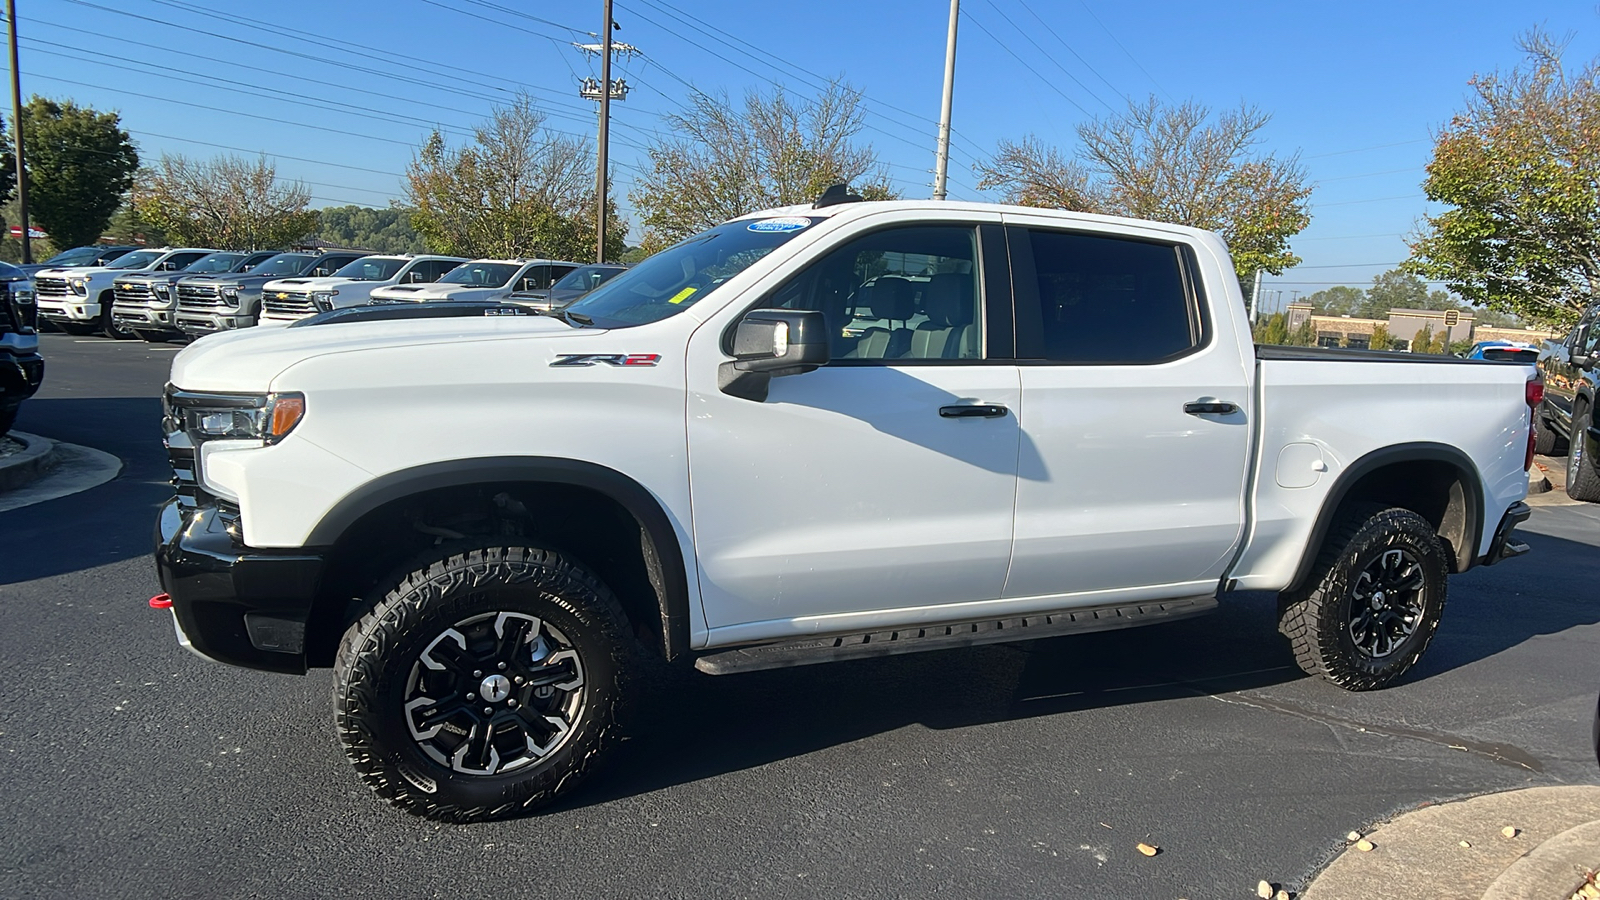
pixel 80 287
pixel 323 299
pixel 24 297
pixel 257 417
pixel 230 296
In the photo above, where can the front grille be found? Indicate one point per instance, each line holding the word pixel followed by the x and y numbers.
pixel 51 287
pixel 283 303
pixel 13 316
pixel 134 292
pixel 198 296
pixel 182 454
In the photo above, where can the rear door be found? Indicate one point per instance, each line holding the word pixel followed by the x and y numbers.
pixel 1135 438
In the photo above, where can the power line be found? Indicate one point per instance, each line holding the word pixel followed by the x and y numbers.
pixel 1365 149
pixel 1367 174
pixel 969 17
pixel 1123 49
pixel 1372 200
pixel 320 162
pixel 1029 38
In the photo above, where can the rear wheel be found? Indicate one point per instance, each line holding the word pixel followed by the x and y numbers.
pixel 1545 440
pixel 109 326
pixel 1583 481
pixel 486 682
pixel 1373 600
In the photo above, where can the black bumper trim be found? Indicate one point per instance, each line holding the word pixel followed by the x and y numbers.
pixel 20 376
pixel 235 604
pixel 1504 546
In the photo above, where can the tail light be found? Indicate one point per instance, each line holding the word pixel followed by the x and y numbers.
pixel 1534 392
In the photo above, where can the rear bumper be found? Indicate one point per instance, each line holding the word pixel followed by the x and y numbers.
pixel 1504 545
pixel 234 604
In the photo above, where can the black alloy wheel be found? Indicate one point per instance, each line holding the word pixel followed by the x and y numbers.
pixel 1386 603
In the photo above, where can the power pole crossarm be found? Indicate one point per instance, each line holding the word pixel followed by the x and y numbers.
pixel 941 167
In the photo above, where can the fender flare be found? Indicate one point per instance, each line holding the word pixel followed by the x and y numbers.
pixel 1419 451
pixel 664 561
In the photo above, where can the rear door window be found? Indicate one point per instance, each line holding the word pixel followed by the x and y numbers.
pixel 1105 300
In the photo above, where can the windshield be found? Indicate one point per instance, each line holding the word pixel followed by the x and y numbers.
pixel 682 275
pixel 481 274
pixel 138 259
pixel 372 268
pixel 283 264
pixel 586 278
pixel 75 256
pixel 213 264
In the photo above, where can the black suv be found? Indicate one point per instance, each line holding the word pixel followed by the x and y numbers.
pixel 1565 421
pixel 21 367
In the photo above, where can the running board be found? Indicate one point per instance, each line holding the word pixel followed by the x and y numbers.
pixel 944 636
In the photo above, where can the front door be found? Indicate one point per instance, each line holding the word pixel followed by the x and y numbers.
pixel 863 486
pixel 1132 476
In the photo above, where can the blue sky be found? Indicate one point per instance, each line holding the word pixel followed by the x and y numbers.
pixel 1358 89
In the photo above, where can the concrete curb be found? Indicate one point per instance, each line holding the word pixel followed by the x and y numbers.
pixel 33 463
pixel 1456 850
pixel 1538 481
pixel 71 469
pixel 1554 870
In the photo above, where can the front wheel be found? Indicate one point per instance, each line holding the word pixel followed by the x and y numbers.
pixel 486 683
pixel 109 326
pixel 1372 602
pixel 1583 481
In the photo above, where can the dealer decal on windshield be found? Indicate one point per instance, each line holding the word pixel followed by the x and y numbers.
pixel 781 224
pixel 609 359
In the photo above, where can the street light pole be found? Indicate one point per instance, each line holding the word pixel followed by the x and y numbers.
pixel 605 134
pixel 16 133
pixel 942 164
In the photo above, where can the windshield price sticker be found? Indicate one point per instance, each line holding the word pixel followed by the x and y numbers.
pixel 781 224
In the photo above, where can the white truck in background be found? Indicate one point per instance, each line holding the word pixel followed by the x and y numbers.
pixel 287 299
pixel 480 279
pixel 816 433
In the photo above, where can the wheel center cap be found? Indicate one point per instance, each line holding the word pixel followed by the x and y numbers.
pixel 495 688
pixel 1378 599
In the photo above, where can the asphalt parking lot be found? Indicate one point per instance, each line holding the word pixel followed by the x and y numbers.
pixel 133 769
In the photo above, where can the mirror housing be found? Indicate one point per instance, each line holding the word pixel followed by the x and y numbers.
pixel 1578 339
pixel 771 343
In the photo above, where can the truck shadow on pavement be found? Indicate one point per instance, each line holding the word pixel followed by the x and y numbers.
pixel 695 726
pixel 105 524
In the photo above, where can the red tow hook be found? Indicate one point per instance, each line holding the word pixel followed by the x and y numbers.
pixel 161 601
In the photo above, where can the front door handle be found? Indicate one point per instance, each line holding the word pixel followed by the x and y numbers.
pixel 1210 408
pixel 973 411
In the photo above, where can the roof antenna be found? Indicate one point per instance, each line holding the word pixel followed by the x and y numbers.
pixel 835 194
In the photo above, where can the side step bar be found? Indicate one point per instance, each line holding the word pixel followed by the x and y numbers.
pixel 944 636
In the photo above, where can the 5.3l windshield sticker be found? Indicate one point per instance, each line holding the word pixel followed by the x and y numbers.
pixel 781 223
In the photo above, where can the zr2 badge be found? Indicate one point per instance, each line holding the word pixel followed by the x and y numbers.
pixel 609 359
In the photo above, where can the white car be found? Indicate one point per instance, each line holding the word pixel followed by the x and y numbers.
pixel 289 299
pixel 79 301
pixel 816 433
pixel 481 279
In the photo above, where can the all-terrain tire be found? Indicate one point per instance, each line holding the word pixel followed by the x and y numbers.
pixel 108 322
pixel 1545 440
pixel 390 652
pixel 1583 478
pixel 1322 619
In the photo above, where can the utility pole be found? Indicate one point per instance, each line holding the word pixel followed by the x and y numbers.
pixel 16 133
pixel 1255 299
pixel 942 164
pixel 605 90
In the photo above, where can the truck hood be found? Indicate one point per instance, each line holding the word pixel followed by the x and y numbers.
pixel 249 359
pixel 420 292
pixel 89 272
pixel 325 283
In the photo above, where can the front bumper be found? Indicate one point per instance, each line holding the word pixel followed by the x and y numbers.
pixel 234 604
pixel 206 323
pixel 1504 545
pixel 20 377
pixel 78 309
pixel 143 317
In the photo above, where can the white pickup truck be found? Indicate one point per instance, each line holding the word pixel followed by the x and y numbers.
pixel 816 433
pixel 290 299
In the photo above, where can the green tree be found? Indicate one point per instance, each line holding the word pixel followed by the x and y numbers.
pixel 223 202
pixel 368 228
pixel 1304 336
pixel 1381 339
pixel 1394 289
pixel 80 163
pixel 8 165
pixel 128 227
pixel 1273 330
pixel 1520 167
pixel 1338 301
pixel 724 159
pixel 517 189
pixel 1171 164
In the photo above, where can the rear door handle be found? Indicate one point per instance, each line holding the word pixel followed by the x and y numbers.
pixel 973 411
pixel 1210 408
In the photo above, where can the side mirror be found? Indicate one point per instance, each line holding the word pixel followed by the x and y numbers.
pixel 1576 344
pixel 771 343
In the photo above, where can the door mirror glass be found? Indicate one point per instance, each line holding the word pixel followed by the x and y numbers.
pixel 769 343
pixel 1578 346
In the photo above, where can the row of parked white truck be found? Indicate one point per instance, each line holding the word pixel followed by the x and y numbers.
pixel 159 294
